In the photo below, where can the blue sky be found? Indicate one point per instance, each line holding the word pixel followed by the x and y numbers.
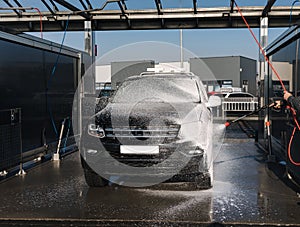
pixel 204 42
pixel 146 4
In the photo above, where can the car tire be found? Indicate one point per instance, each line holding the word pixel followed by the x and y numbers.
pixel 93 179
pixel 203 181
pixel 102 103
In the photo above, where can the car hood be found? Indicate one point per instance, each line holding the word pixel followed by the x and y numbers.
pixel 147 113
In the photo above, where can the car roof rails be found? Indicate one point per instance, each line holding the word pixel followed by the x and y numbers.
pixel 161 71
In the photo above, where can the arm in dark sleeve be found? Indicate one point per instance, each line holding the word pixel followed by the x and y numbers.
pixel 295 102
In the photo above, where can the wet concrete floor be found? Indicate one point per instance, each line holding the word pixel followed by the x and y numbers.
pixel 245 192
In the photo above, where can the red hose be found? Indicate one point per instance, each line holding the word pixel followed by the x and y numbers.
pixel 280 80
pixel 289 149
pixel 260 47
pixel 41 21
pixel 294 113
pixel 293 135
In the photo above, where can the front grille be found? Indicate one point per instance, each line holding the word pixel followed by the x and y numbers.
pixel 163 136
pixel 143 132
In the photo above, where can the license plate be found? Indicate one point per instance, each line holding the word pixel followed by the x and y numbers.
pixel 139 150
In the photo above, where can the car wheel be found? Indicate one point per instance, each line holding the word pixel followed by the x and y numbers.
pixel 93 179
pixel 203 181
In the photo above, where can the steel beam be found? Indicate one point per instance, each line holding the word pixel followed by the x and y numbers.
pixel 10 5
pixel 231 6
pixel 158 6
pixel 54 5
pixel 268 8
pixel 89 4
pixel 121 8
pixel 150 19
pixel 48 7
pixel 73 8
pixel 124 4
pixel 19 5
pixel 83 5
pixel 195 6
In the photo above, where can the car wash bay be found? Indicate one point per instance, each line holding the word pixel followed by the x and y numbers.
pixel 245 192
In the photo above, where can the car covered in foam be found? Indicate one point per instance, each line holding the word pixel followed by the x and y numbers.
pixel 157 127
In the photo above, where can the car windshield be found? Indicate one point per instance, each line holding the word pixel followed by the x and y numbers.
pixel 158 89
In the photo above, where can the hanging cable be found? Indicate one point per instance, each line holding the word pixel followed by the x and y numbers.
pixel 289 148
pixel 294 114
pixel 41 21
pixel 260 47
pixel 297 126
pixel 290 21
pixel 28 8
pixel 52 74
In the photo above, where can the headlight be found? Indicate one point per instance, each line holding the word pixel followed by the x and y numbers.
pixel 96 131
pixel 173 129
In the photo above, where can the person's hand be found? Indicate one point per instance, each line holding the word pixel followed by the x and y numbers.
pixel 286 95
pixel 277 104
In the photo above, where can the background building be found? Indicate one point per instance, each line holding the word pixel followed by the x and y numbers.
pixel 122 70
pixel 215 72
pixel 235 71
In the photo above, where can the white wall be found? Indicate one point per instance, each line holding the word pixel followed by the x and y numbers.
pixel 284 69
pixel 168 66
pixel 103 74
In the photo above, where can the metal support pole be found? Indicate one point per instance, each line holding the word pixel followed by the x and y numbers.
pixel 266 74
pixel 21 171
pixel 181 48
pixel 264 67
pixel 231 6
pixel 89 78
pixel 264 42
pixel 80 94
pixel 89 37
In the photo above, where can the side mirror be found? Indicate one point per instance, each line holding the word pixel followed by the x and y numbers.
pixel 214 101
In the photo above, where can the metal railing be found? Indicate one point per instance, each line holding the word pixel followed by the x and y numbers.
pixel 234 106
pixel 239 104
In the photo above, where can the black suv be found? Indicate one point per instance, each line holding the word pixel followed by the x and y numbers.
pixel 157 127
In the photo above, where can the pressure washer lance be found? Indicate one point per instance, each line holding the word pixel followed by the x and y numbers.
pixel 275 104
